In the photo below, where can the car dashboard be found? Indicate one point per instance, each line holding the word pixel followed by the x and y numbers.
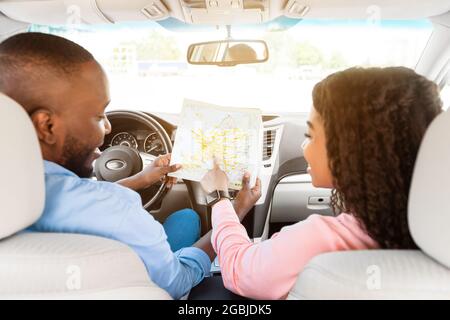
pixel 131 133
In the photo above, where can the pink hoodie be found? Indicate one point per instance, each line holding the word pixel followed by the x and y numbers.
pixel 269 269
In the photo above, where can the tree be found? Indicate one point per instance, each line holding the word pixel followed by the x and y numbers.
pixel 157 46
pixel 306 54
pixel 337 61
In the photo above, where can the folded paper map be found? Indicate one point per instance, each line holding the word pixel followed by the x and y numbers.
pixel 232 136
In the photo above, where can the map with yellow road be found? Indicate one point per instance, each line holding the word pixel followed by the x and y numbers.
pixel 233 136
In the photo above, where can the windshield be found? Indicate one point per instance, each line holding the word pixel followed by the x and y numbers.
pixel 147 68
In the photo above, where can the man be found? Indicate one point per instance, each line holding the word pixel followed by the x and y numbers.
pixel 241 52
pixel 65 92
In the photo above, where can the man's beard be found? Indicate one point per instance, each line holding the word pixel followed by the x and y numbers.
pixel 76 157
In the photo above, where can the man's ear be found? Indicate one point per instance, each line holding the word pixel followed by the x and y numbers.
pixel 43 121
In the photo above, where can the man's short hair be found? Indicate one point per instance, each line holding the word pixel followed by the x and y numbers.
pixel 29 58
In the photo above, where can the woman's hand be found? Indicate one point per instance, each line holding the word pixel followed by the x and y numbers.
pixel 247 197
pixel 215 179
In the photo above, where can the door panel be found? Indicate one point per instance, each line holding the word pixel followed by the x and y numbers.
pixel 295 198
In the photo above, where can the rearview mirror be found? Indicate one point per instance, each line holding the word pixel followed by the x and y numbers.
pixel 227 53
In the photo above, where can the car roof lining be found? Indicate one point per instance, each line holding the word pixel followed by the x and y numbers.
pixel 200 12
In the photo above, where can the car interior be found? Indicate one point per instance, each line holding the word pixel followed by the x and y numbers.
pixel 398 32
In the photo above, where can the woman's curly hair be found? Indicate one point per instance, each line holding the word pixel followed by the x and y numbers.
pixel 374 121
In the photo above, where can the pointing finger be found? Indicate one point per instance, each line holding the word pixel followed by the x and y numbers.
pixel 246 180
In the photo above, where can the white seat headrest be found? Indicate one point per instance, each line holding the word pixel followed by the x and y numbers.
pixel 429 198
pixel 22 184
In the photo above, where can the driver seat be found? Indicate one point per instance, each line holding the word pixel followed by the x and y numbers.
pixel 50 265
pixel 398 274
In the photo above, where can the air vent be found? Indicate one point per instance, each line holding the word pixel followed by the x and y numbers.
pixel 268 144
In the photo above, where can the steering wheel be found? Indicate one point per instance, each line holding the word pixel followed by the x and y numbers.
pixel 121 161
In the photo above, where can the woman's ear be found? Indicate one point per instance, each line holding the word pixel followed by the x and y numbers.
pixel 43 121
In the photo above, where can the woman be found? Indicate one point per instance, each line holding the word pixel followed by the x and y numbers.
pixel 364 132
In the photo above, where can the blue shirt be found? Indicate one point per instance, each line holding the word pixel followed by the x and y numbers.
pixel 76 205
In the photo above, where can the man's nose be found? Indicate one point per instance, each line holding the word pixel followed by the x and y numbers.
pixel 107 126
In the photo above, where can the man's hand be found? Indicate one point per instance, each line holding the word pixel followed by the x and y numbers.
pixel 247 197
pixel 156 171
